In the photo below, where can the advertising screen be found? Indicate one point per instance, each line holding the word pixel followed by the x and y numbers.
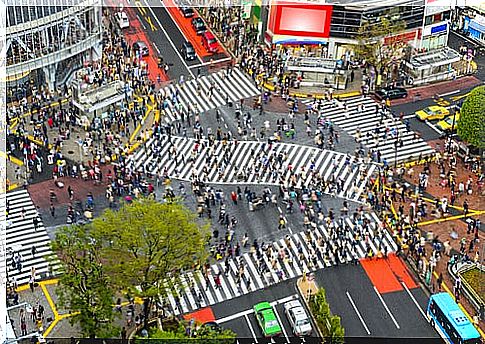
pixel 297 19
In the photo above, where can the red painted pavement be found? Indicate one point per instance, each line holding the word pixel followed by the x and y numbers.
pixel 386 274
pixel 40 191
pixel 185 25
pixel 136 33
pixel 201 316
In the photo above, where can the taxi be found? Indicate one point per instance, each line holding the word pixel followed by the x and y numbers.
pixel 267 319
pixel 447 123
pixel 432 112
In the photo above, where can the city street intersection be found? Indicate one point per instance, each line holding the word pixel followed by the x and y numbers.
pixel 295 183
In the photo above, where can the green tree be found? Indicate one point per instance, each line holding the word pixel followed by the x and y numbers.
pixel 471 126
pixel 204 334
pixel 146 242
pixel 83 285
pixel 380 43
pixel 328 324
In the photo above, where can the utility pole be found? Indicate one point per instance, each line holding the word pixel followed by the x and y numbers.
pixel 450 133
pixel 395 149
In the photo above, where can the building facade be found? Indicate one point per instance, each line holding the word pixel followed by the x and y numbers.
pixel 47 41
pixel 427 23
pixel 471 21
pixel 342 20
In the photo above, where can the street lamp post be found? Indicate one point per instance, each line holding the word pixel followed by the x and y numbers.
pixel 395 149
pixel 450 133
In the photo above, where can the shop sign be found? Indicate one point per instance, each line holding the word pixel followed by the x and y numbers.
pixel 403 37
pixel 435 29
pixel 439 29
pixel 246 9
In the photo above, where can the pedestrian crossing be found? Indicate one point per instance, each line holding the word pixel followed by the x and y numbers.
pixel 21 236
pixel 252 162
pixel 186 96
pixel 321 247
pixel 360 119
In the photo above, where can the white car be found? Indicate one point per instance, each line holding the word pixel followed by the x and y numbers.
pixel 298 318
pixel 122 19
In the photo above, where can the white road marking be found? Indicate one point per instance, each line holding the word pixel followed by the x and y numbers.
pixel 449 93
pixel 387 308
pixel 251 328
pixel 158 50
pixel 249 311
pixel 171 43
pixel 414 300
pixel 141 22
pixel 358 313
pixel 432 126
pixel 209 62
pixel 281 324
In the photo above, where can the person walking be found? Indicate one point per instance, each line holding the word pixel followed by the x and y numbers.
pixel 234 197
pixel 70 192
pixel 281 222
pixel 35 221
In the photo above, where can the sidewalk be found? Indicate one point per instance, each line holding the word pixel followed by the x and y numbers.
pixel 307 286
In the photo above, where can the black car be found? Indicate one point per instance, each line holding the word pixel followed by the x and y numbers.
pixel 141 47
pixel 187 11
pixel 391 93
pixel 198 25
pixel 188 51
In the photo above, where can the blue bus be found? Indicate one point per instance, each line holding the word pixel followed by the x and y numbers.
pixel 450 321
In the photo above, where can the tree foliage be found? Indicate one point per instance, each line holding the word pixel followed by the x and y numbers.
pixel 328 324
pixel 145 242
pixel 471 126
pixel 184 334
pixel 371 45
pixel 83 286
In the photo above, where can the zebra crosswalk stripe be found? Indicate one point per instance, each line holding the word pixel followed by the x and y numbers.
pixel 352 120
pixel 226 88
pixel 192 292
pixel 21 236
pixel 155 156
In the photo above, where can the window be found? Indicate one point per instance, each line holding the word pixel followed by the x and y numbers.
pixel 428 20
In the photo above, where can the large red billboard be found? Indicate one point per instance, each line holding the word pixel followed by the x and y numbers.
pixel 297 19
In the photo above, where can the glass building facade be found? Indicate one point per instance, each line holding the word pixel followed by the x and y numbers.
pixel 346 19
pixel 47 40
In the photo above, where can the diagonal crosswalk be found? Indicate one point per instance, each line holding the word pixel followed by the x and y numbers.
pixel 337 242
pixel 360 119
pixel 252 162
pixel 21 236
pixel 195 94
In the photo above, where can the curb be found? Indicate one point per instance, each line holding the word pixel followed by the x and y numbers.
pixel 302 295
pixel 272 88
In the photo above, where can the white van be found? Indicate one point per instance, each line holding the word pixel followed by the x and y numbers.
pixel 298 318
pixel 122 19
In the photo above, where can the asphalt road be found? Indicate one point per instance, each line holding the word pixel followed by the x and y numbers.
pixel 237 314
pixel 351 282
pixel 407 323
pixel 168 40
pixel 428 133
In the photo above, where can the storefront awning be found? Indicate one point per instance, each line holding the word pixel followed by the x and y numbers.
pixel 288 40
